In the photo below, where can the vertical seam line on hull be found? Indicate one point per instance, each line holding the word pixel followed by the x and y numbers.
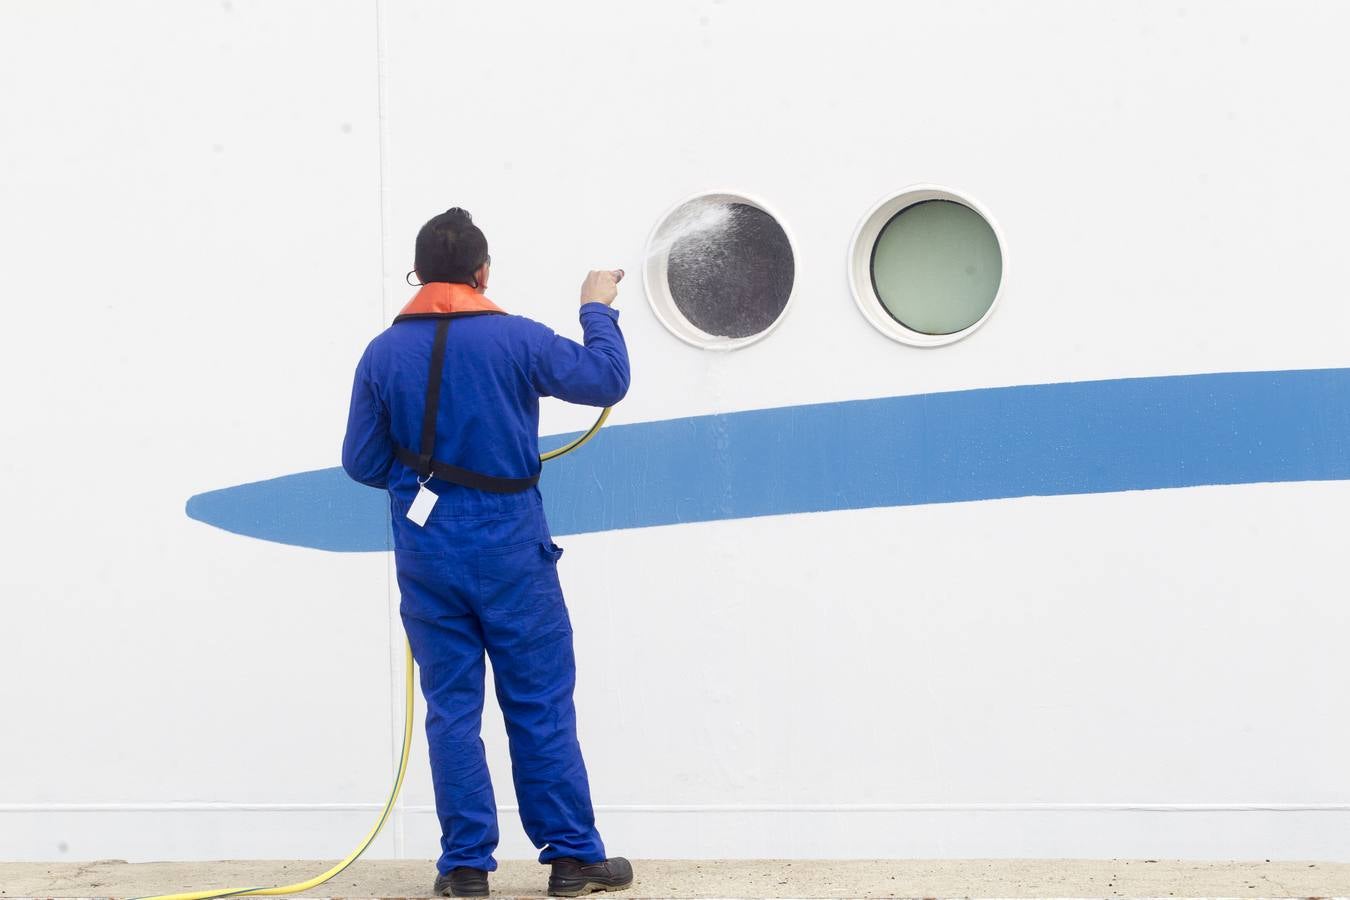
pixel 395 656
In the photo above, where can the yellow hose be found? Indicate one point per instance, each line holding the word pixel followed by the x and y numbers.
pixel 402 760
pixel 586 436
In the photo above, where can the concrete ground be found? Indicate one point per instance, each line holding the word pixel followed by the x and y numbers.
pixel 722 878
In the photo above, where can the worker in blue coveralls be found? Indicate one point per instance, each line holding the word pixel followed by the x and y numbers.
pixel 445 416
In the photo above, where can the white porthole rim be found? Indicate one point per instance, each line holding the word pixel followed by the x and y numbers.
pixel 657 287
pixel 859 262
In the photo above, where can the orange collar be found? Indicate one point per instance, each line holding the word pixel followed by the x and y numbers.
pixel 441 297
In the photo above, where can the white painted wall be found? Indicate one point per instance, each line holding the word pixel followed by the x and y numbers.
pixel 208 209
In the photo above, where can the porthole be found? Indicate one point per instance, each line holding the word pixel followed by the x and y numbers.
pixel 926 266
pixel 719 271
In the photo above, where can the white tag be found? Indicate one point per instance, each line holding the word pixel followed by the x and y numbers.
pixel 421 505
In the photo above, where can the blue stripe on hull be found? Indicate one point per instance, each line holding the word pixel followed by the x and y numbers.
pixel 1030 440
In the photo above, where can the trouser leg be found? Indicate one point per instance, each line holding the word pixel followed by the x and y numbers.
pixel 449 652
pixel 528 636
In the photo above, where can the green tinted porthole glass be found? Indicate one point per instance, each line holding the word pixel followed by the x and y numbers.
pixel 936 267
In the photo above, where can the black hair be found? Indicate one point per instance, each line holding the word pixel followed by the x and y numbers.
pixel 450 248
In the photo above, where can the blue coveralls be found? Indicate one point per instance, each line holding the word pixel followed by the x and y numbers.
pixel 481 575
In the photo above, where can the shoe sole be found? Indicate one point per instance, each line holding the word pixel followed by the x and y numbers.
pixel 589 887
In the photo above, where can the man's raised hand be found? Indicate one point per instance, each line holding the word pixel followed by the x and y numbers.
pixel 601 286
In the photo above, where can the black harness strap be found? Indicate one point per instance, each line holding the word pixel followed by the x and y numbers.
pixel 422 462
pixel 465 477
pixel 434 377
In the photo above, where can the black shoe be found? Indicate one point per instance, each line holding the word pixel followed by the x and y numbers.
pixel 462 881
pixel 572 878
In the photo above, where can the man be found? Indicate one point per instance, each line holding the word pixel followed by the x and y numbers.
pixel 445 416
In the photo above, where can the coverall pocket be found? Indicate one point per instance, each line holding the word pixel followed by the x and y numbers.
pixel 424 584
pixel 420 564
pixel 520 577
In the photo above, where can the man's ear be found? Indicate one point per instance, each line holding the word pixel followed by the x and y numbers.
pixel 481 276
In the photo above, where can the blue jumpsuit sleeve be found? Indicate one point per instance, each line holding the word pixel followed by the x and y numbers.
pixel 367 448
pixel 594 373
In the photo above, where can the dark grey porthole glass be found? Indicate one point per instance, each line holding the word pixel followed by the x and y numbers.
pixel 927 266
pixel 720 271
pixel 733 282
